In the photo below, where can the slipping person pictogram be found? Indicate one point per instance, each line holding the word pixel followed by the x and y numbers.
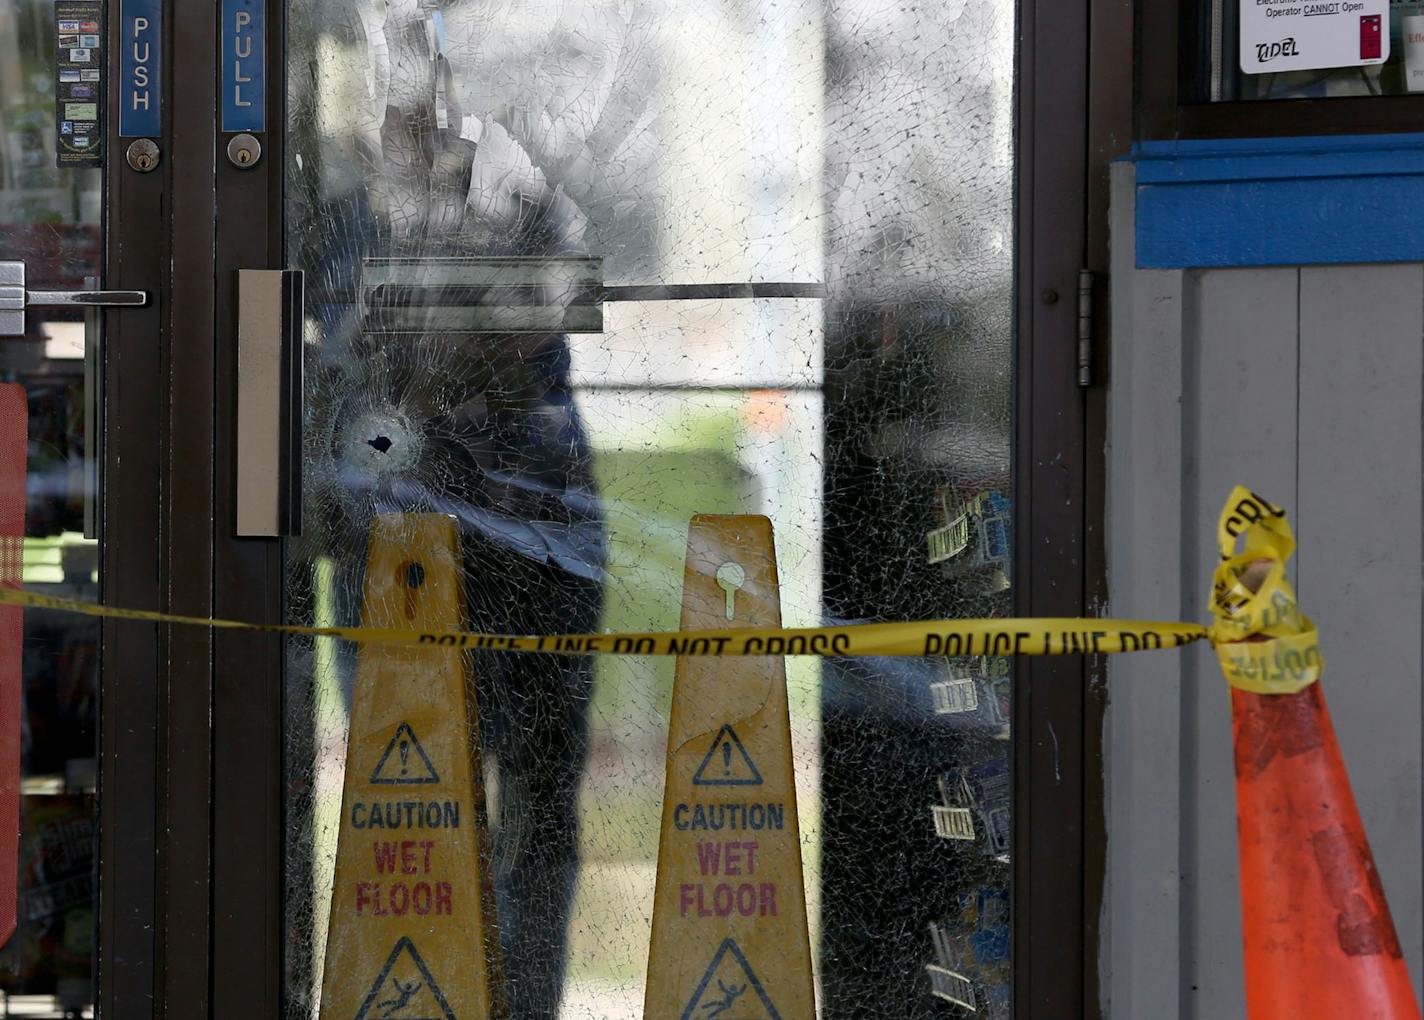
pixel 405 989
pixel 716 1007
pixel 404 992
pixel 722 992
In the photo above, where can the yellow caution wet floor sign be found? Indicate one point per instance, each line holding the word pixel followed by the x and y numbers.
pixel 729 916
pixel 413 931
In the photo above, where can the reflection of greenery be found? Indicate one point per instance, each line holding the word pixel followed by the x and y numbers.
pixel 651 497
pixel 650 491
pixel 651 484
pixel 39 211
pixel 43 558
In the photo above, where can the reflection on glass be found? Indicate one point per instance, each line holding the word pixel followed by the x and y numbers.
pixel 49 218
pixel 838 142
pixel 915 756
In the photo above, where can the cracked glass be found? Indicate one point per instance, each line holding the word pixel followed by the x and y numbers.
pixel 575 273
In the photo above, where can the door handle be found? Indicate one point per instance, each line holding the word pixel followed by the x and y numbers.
pixel 14 298
pixel 269 403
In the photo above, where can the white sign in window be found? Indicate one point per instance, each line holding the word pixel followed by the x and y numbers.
pixel 1291 35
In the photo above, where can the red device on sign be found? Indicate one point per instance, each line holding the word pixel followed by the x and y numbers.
pixel 1370 37
pixel 14 440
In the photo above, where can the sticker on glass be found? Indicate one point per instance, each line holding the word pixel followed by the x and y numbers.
pixel 78 135
pixel 1412 31
pixel 1281 35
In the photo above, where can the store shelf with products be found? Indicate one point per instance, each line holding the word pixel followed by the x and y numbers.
pixel 918 526
pixel 971 969
pixel 970 546
pixel 975 692
pixel 972 818
pixel 973 534
pixel 975 808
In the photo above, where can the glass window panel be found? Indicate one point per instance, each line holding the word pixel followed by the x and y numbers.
pixel 1229 72
pixel 50 220
pixel 856 154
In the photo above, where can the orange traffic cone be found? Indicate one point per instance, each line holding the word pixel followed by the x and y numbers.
pixel 1319 938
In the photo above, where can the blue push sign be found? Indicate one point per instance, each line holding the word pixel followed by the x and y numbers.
pixel 244 62
pixel 140 68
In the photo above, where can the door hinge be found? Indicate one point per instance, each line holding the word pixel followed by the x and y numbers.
pixel 1085 327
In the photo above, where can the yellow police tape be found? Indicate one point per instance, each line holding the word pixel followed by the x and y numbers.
pixel 1265 643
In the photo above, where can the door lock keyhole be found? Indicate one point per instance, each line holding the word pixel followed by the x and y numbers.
pixel 243 151
pixel 142 155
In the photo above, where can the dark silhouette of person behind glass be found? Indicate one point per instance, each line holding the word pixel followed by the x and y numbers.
pixel 474 156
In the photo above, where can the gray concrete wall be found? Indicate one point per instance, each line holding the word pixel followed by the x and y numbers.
pixel 1306 384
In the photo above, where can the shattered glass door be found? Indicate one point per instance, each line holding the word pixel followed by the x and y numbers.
pixel 577 271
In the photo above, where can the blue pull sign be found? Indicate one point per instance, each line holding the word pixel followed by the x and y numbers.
pixel 244 62
pixel 140 68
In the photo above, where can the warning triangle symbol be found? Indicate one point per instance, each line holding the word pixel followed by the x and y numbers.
pixel 727 763
pixel 404 990
pixel 404 761
pixel 730 990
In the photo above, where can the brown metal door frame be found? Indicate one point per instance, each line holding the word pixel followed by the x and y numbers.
pixel 249 792
pixel 190 793
pixel 1075 62
pixel 153 863
pixel 133 420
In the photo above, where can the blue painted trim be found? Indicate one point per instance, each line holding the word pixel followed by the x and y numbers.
pixel 1280 201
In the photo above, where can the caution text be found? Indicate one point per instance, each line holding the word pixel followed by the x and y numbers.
pixel 736 816
pixel 406 814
